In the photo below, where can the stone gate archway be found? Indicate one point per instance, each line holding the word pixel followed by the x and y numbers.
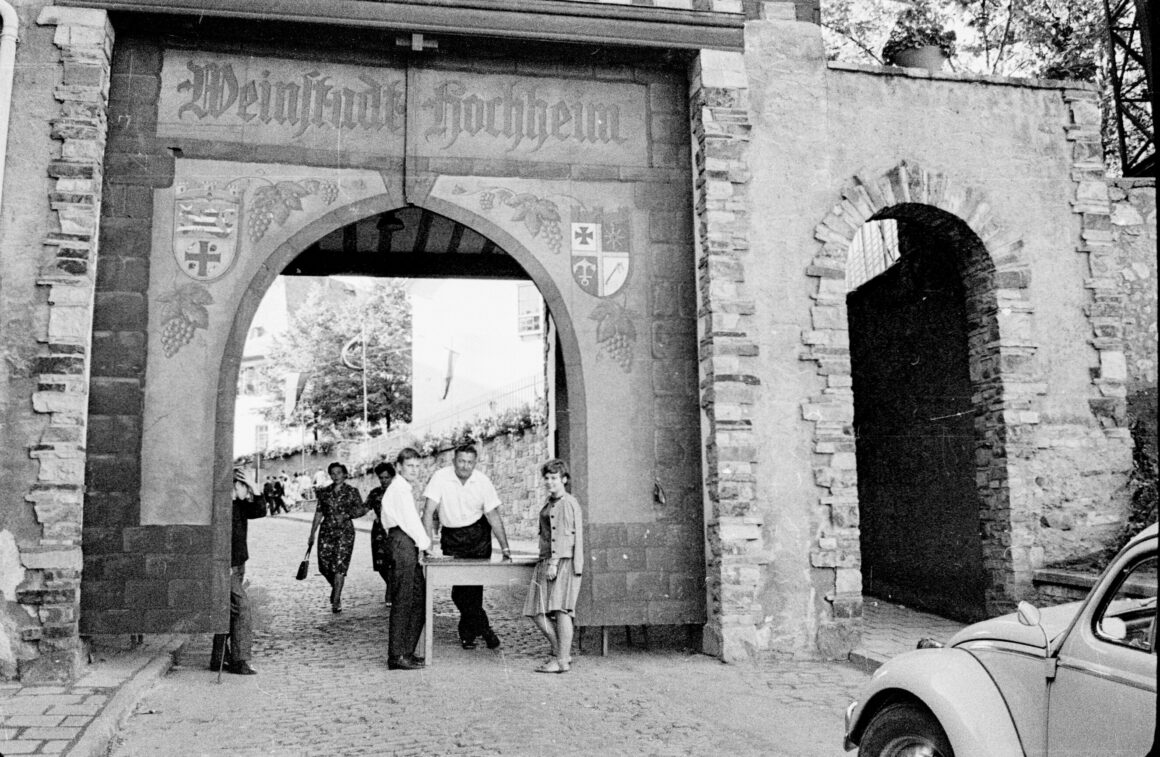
pixel 499 243
pixel 207 205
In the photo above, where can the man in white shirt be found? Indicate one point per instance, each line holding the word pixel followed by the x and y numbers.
pixel 406 537
pixel 468 508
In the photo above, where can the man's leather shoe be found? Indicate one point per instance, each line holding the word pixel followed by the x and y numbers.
pixel 491 639
pixel 467 643
pixel 403 663
pixel 241 668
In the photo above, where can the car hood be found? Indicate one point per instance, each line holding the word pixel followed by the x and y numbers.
pixel 1054 620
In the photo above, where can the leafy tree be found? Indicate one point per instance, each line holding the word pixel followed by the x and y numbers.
pixel 1030 38
pixel 1042 39
pixel 312 345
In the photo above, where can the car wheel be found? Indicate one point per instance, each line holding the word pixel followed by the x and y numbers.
pixel 904 730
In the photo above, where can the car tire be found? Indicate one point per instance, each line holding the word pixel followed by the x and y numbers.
pixel 904 729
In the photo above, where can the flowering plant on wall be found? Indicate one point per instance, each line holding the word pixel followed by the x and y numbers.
pixel 918 26
pixel 310 448
pixel 510 421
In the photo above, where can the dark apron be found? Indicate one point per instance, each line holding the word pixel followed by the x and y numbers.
pixel 469 541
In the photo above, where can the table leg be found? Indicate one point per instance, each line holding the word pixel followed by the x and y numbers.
pixel 603 641
pixel 428 607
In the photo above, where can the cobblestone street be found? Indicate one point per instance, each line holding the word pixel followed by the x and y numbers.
pixel 323 686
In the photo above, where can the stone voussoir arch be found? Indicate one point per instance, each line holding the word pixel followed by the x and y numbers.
pixel 1002 367
pixel 284 253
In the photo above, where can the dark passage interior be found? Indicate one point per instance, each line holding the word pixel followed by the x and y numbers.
pixel 914 424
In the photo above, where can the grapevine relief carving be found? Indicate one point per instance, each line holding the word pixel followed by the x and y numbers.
pixel 183 311
pixel 615 333
pixel 600 242
pixel 207 217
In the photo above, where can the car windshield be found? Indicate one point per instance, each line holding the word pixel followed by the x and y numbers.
pixel 1128 616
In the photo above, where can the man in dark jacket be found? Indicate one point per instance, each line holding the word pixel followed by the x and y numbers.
pixel 236 656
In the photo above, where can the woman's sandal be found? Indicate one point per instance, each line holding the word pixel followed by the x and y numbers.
pixel 554 666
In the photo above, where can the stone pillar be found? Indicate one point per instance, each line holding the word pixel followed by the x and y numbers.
pixel 1106 301
pixel 719 111
pixel 51 585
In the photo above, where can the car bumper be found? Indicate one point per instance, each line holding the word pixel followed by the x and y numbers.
pixel 851 711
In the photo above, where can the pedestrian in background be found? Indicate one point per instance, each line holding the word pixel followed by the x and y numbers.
pixel 321 481
pixel 279 496
pixel 338 505
pixel 291 488
pixel 232 651
pixel 305 486
pixel 406 538
pixel 380 551
pixel 551 601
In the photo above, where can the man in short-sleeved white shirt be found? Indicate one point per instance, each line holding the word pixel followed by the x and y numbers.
pixel 468 508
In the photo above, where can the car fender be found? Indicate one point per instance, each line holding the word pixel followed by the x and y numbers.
pixel 956 688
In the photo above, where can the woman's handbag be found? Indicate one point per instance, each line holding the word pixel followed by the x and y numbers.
pixel 304 566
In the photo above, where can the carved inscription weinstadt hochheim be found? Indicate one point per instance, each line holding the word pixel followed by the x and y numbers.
pixel 357 109
pixel 311 101
pixel 519 116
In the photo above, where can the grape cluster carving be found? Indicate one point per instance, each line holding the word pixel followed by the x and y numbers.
pixel 615 333
pixel 183 311
pixel 273 202
pixel 538 215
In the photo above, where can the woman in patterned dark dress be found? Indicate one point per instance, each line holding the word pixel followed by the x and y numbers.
pixel 338 505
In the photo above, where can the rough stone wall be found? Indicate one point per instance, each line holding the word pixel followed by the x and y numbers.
pixel 22 314
pixel 47 330
pixel 1133 220
pixel 1009 160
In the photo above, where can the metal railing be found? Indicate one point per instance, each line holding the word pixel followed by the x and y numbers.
pixel 528 391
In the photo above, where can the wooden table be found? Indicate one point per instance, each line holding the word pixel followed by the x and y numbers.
pixel 455 571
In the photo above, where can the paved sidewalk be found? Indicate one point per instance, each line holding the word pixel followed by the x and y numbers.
pixel 80 719
pixel 888 630
pixel 661 701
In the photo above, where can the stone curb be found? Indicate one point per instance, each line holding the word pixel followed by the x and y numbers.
pixel 866 661
pixel 99 733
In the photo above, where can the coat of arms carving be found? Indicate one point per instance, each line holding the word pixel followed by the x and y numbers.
pixel 205 230
pixel 601 249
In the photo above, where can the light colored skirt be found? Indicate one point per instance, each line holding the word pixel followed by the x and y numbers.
pixel 546 597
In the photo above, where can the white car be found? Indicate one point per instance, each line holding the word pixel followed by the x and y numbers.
pixel 1076 680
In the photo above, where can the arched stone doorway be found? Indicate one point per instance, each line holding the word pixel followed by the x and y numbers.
pixel 915 414
pixel 957 224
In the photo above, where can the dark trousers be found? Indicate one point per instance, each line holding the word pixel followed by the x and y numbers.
pixel 472 541
pixel 241 636
pixel 408 591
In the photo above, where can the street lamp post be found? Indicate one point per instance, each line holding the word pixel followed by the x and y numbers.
pixel 349 361
pixel 362 368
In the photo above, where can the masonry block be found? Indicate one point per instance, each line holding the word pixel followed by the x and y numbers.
pixel 120 311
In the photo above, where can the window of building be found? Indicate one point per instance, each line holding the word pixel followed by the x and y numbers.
pixel 530 311
pixel 873 250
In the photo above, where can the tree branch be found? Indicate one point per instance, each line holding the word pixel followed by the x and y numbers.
pixel 1003 39
pixel 857 42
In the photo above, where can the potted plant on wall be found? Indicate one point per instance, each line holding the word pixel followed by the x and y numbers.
pixel 919 39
